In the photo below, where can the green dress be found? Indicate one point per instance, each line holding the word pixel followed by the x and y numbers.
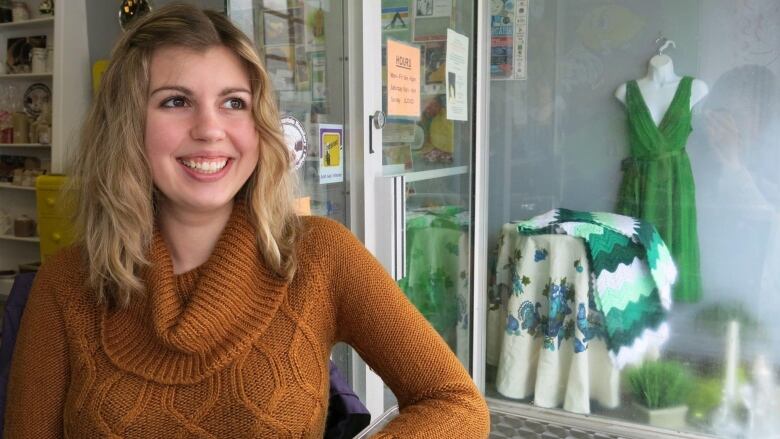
pixel 658 183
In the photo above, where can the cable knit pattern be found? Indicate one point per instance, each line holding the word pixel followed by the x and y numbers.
pixel 229 350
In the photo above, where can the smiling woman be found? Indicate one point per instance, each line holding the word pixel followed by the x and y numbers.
pixel 201 142
pixel 195 302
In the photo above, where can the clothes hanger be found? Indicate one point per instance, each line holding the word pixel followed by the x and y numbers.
pixel 665 45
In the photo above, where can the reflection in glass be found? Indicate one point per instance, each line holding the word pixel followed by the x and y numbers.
pixel 129 10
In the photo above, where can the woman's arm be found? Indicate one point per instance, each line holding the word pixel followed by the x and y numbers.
pixel 39 368
pixel 436 396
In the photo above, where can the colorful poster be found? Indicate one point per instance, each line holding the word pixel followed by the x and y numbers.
pixel 280 63
pixel 403 79
pixel 398 155
pixel 317 76
pixel 431 19
pixel 457 72
pixel 314 28
pixel 301 69
pixel 433 8
pixel 396 21
pixel 521 39
pixel 331 153
pixel 508 39
pixel 435 57
pixel 283 27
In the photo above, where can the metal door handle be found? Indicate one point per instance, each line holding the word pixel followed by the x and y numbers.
pixel 376 120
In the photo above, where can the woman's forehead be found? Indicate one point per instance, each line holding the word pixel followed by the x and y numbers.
pixel 211 66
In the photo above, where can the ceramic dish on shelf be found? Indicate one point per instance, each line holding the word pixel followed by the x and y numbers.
pixel 36 97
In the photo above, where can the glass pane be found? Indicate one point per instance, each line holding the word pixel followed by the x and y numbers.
pixel 429 141
pixel 299 41
pixel 302 45
pixel 586 312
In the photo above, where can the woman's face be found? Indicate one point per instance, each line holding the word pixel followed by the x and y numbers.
pixel 200 138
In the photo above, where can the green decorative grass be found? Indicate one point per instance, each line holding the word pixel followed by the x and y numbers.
pixel 660 384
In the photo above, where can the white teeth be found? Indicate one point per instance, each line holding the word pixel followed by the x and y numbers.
pixel 206 167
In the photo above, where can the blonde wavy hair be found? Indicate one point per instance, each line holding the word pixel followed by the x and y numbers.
pixel 114 195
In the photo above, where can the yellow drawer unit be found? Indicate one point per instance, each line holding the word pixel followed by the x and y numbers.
pixel 54 226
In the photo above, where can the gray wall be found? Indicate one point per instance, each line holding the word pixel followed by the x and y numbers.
pixel 103 27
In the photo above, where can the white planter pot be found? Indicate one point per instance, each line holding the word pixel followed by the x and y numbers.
pixel 668 417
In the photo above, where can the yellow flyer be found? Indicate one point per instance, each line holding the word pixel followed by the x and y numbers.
pixel 331 138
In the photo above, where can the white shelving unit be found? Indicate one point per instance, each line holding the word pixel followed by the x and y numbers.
pixel 33 23
pixel 70 84
pixel 16 187
pixel 20 238
pixel 35 76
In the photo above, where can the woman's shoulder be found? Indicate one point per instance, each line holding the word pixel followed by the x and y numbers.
pixel 325 239
pixel 64 270
pixel 323 231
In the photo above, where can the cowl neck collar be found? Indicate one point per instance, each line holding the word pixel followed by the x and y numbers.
pixel 183 337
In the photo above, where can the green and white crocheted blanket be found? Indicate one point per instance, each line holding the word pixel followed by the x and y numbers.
pixel 632 276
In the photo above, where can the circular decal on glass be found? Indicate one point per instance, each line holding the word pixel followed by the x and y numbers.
pixel 295 137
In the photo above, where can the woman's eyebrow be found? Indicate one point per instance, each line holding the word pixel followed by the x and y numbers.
pixel 178 88
pixel 188 92
pixel 230 90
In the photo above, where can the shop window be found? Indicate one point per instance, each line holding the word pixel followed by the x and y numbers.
pixel 636 263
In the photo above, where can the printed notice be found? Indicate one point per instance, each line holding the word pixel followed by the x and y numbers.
pixel 457 69
pixel 508 39
pixel 403 79
pixel 331 153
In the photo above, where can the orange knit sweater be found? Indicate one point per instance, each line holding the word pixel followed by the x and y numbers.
pixel 229 350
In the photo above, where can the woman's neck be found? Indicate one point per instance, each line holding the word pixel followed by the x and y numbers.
pixel 660 71
pixel 191 236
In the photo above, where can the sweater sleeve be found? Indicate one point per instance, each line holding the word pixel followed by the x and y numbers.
pixel 436 396
pixel 39 369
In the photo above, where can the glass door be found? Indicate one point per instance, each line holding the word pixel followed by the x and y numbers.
pixel 422 157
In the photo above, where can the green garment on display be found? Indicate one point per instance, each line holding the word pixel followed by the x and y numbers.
pixel 658 184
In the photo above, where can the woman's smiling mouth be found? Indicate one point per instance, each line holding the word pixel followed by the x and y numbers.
pixel 204 165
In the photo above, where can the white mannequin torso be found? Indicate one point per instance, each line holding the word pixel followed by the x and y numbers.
pixel 659 87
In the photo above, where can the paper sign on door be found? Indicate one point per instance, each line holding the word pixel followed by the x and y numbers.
pixel 457 70
pixel 403 79
pixel 331 153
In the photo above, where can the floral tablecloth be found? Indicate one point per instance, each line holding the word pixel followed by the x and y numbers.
pixel 576 296
pixel 547 337
pixel 437 273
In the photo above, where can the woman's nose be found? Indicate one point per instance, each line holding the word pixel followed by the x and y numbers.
pixel 207 125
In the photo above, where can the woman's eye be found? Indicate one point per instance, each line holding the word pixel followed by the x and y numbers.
pixel 173 102
pixel 235 104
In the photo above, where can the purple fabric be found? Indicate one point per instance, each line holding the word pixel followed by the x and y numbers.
pixel 12 315
pixel 347 416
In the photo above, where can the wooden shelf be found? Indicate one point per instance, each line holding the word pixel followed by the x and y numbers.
pixel 26 76
pixel 19 238
pixel 16 186
pixel 35 22
pixel 25 145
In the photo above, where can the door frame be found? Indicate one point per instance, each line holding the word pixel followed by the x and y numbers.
pixel 371 199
